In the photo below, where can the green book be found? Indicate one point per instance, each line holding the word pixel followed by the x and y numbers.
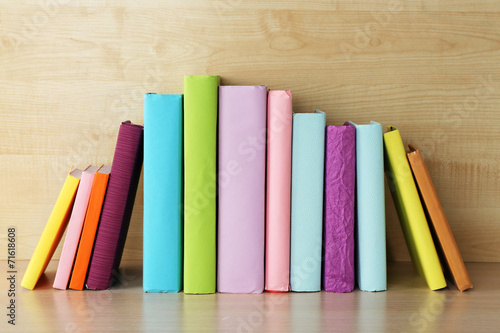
pixel 200 138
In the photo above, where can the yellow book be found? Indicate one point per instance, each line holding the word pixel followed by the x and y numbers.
pixel 53 231
pixel 410 212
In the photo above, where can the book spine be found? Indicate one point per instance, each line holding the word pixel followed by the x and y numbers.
pixel 308 151
pixel 90 225
pixel 371 252
pixel 279 168
pixel 53 231
pixel 162 248
pixel 117 207
pixel 410 212
pixel 241 210
pixel 440 230
pixel 200 138
pixel 75 225
pixel 340 178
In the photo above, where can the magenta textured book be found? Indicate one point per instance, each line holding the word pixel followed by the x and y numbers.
pixel 340 177
pixel 117 207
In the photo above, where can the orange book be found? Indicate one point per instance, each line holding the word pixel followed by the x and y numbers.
pixel 445 242
pixel 87 238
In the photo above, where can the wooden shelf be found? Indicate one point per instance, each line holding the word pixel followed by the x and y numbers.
pixel 407 306
pixel 430 68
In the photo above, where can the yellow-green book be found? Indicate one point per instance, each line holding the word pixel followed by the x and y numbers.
pixel 410 212
pixel 200 138
pixel 53 231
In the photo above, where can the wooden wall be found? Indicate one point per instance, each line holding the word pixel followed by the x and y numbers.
pixel 71 71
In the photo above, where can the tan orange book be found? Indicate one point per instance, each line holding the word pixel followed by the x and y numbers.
pixel 438 223
pixel 87 238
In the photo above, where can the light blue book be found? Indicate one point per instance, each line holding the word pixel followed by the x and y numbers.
pixel 308 154
pixel 162 248
pixel 370 222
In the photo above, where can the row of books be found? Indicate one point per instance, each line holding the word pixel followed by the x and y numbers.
pixel 242 195
pixel 95 205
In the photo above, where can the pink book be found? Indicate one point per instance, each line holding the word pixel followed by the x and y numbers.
pixel 242 178
pixel 74 229
pixel 279 163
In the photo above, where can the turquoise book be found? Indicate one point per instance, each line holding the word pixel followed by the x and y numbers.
pixel 308 156
pixel 162 248
pixel 370 208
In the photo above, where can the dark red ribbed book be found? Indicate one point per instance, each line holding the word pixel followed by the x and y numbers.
pixel 117 207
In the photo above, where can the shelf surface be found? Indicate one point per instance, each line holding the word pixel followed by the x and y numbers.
pixel 407 306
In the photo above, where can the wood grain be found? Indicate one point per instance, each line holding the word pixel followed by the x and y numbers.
pixel 407 306
pixel 72 71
